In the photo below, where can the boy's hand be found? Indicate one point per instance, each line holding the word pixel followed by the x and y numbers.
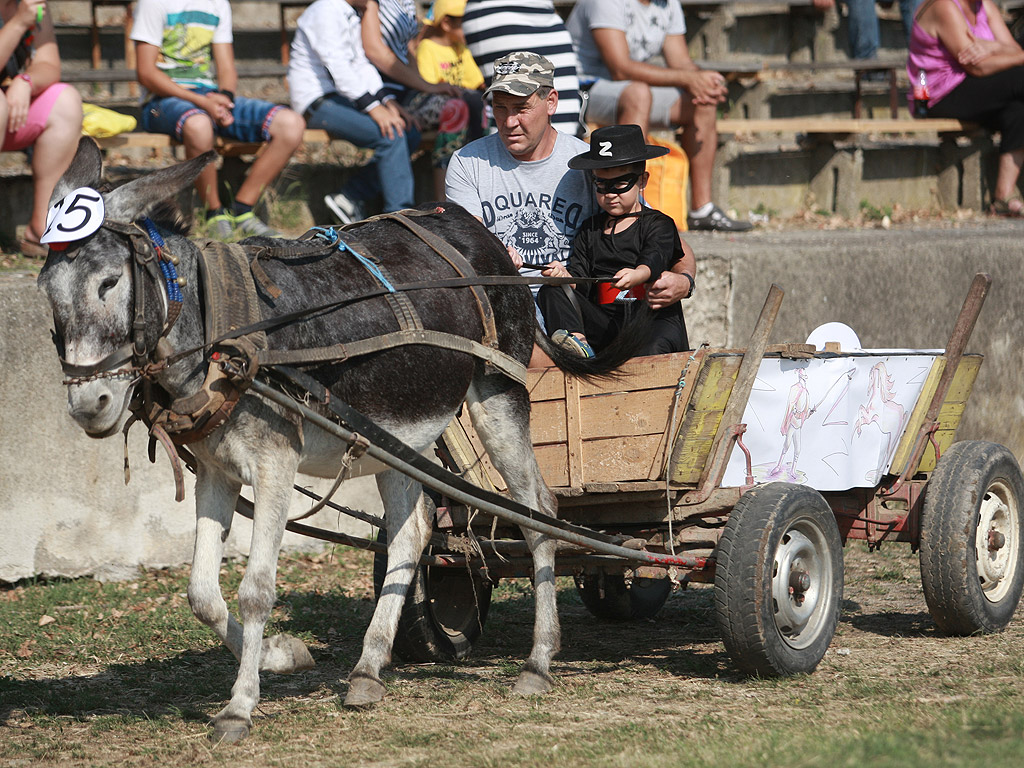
pixel 555 269
pixel 388 120
pixel 629 277
pixel 219 107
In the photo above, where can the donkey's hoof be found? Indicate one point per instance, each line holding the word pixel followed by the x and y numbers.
pixel 284 654
pixel 229 731
pixel 363 691
pixel 533 682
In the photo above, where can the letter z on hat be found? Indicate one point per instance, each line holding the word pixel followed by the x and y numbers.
pixel 521 74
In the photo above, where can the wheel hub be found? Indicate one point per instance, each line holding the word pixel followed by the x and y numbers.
pixel 798 584
pixel 996 543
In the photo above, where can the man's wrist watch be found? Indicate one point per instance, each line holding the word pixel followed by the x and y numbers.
pixel 689 277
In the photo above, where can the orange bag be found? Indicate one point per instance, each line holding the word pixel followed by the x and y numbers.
pixel 666 189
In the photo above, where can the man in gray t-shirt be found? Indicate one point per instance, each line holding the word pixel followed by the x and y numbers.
pixel 518 181
pixel 616 41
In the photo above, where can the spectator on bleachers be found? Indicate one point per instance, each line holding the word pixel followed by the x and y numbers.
pixel 186 62
pixel 389 29
pixel 974 70
pixel 496 28
pixel 338 90
pixel 862 27
pixel 36 110
pixel 442 56
pixel 616 41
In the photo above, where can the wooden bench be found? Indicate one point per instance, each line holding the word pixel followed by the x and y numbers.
pixel 844 127
pixel 224 147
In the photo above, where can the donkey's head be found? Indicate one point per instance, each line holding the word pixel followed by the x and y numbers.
pixel 92 288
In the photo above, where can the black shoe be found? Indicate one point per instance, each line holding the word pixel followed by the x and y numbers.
pixel 717 221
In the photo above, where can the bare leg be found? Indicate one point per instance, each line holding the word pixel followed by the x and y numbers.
pixel 285 137
pixel 197 136
pixel 699 142
pixel 1008 174
pixel 635 106
pixel 53 151
pixel 408 531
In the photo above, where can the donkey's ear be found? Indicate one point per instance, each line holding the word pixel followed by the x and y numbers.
pixel 135 199
pixel 86 169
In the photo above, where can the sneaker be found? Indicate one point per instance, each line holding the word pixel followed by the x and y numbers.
pixel 221 227
pixel 248 225
pixel 563 338
pixel 717 221
pixel 348 211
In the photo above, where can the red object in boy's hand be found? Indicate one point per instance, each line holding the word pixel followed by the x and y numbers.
pixel 607 293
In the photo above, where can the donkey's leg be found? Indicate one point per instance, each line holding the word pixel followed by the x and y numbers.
pixel 257 592
pixel 215 505
pixel 406 511
pixel 216 495
pixel 502 419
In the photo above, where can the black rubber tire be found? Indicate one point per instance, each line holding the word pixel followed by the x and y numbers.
pixel 444 612
pixel 969 585
pixel 607 596
pixel 775 533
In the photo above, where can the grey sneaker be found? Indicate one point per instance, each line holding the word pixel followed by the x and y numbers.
pixel 221 227
pixel 248 225
pixel 348 211
pixel 717 221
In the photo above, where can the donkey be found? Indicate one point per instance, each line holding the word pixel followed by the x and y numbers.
pixel 412 391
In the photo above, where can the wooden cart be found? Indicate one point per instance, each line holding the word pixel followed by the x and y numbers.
pixel 643 458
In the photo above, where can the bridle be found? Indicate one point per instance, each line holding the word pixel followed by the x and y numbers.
pixel 149 258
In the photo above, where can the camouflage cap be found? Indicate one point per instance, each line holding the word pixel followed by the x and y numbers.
pixel 521 74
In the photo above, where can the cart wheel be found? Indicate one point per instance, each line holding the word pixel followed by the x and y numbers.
pixel 779 580
pixel 972 562
pixel 444 612
pixel 607 597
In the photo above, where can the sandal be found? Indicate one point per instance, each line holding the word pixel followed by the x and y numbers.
pixel 1007 207
pixel 30 246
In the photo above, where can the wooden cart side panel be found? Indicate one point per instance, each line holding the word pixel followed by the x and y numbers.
pixel 696 434
pixel 949 414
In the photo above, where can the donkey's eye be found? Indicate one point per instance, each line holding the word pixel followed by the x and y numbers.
pixel 107 285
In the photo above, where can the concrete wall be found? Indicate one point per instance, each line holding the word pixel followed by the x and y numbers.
pixel 64 509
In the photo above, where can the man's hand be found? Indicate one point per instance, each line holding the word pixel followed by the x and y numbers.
pixel 19 96
pixel 218 106
pixel 669 288
pixel 707 87
pixel 517 259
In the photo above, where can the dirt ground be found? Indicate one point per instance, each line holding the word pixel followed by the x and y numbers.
pixel 890 690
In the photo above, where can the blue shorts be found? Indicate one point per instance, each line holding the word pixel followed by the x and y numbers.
pixel 252 117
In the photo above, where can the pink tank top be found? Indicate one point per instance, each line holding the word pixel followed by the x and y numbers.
pixel 942 70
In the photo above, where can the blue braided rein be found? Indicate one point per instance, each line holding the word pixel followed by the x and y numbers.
pixel 167 267
pixel 331 234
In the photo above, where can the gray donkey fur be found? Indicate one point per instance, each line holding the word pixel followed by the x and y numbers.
pixel 412 391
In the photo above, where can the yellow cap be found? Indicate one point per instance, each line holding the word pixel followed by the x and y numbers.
pixel 442 8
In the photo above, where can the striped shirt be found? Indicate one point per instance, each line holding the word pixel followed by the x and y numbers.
pixel 496 28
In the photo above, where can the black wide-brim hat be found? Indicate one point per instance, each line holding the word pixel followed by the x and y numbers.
pixel 616 145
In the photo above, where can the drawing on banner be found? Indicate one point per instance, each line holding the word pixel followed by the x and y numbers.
pixel 882 411
pixel 830 422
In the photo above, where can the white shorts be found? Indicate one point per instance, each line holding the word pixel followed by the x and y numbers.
pixel 603 103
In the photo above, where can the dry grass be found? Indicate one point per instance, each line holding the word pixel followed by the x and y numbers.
pixel 125 676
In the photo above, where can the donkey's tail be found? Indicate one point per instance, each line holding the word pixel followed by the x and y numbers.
pixel 633 336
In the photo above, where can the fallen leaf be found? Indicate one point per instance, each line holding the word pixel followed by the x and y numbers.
pixel 24 651
pixel 44 620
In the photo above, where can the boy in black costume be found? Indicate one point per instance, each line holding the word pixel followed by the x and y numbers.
pixel 627 241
